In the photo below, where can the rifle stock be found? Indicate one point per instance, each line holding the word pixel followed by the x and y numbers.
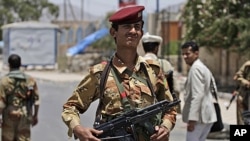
pixel 129 119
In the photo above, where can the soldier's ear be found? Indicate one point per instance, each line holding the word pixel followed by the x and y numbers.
pixel 112 32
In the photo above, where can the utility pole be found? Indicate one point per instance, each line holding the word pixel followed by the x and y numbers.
pixel 168 34
pixel 65 11
pixel 82 10
pixel 157 6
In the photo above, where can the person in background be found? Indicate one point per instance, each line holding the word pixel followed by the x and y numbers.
pixel 242 77
pixel 151 45
pixel 123 89
pixel 198 110
pixel 19 102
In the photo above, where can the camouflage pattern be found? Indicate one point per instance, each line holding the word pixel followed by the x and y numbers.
pixel 139 94
pixel 166 67
pixel 243 79
pixel 16 121
pixel 164 64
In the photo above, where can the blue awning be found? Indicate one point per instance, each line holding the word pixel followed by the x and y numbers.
pixel 82 45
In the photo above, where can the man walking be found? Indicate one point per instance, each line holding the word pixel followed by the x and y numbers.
pixel 198 111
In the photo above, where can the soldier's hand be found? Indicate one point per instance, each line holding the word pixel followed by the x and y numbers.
pixel 86 134
pixel 162 134
pixel 34 120
pixel 191 125
pixel 246 83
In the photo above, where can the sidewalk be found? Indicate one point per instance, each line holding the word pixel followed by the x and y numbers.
pixel 228 117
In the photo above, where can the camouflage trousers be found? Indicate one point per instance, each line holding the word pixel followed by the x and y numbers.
pixel 16 129
pixel 241 106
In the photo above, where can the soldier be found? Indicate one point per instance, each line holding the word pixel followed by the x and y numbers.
pixel 18 94
pixel 242 77
pixel 123 89
pixel 151 44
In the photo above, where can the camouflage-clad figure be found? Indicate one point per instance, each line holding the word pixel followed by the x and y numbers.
pixel 151 45
pixel 125 88
pixel 18 94
pixel 243 79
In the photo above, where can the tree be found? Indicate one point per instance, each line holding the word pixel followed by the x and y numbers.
pixel 25 10
pixel 218 23
pixel 107 43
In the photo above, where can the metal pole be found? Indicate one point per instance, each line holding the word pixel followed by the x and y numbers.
pixel 82 11
pixel 168 34
pixel 157 6
pixel 65 11
pixel 179 47
pixel 163 35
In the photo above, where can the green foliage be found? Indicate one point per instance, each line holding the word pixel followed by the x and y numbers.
pixel 25 10
pixel 218 23
pixel 107 43
pixel 173 48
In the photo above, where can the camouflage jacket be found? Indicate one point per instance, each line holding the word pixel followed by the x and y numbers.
pixel 16 102
pixel 139 95
pixel 243 76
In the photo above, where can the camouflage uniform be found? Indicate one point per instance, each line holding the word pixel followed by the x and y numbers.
pixel 243 78
pixel 138 93
pixel 166 67
pixel 16 121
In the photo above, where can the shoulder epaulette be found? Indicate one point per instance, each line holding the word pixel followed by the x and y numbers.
pixel 155 65
pixel 153 62
pixel 98 67
pixel 247 63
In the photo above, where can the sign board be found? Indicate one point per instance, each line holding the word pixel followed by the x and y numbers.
pixel 35 46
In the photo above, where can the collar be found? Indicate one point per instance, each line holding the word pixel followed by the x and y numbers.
pixel 121 67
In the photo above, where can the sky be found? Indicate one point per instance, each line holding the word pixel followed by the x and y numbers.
pixel 101 7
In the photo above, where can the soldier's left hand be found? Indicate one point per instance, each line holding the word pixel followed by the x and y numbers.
pixel 34 120
pixel 162 134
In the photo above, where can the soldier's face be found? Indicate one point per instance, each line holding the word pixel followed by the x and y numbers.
pixel 189 56
pixel 129 35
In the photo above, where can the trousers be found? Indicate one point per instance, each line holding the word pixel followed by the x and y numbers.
pixel 199 133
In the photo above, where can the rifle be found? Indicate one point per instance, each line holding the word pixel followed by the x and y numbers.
pixel 235 92
pixel 30 100
pixel 129 119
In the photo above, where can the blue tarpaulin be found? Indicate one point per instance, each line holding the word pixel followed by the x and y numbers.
pixel 82 45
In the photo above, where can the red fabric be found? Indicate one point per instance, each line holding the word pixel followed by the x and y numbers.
pixel 129 14
pixel 123 94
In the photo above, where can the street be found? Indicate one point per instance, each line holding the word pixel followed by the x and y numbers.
pixel 50 126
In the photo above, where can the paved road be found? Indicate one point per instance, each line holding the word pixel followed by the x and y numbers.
pixel 228 117
pixel 53 95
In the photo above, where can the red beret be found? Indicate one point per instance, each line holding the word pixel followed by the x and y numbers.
pixel 128 14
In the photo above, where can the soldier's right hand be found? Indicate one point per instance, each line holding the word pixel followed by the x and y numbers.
pixel 246 83
pixel 86 134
